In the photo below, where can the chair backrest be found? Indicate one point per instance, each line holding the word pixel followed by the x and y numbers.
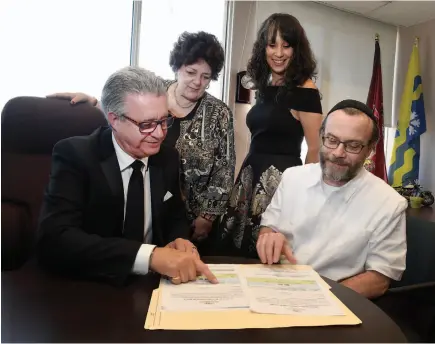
pixel 420 257
pixel 30 127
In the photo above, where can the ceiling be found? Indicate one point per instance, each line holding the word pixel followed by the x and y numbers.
pixel 399 13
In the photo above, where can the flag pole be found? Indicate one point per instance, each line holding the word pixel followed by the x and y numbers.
pixel 375 163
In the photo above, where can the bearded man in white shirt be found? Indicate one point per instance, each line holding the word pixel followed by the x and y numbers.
pixel 345 222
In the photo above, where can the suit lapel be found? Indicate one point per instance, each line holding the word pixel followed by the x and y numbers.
pixel 157 186
pixel 111 170
pixel 157 193
pixel 110 166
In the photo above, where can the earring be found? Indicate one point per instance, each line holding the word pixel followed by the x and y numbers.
pixel 208 86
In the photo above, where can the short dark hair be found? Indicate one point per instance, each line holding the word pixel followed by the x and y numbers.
pixel 303 64
pixel 192 47
pixel 351 112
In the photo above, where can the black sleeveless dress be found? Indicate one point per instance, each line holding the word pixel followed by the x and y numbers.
pixel 276 138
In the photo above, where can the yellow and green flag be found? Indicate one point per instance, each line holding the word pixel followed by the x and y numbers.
pixel 405 159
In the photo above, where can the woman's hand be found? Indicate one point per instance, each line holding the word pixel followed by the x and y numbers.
pixel 184 246
pixel 202 228
pixel 75 98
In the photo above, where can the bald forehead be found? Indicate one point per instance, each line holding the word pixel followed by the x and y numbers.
pixel 355 127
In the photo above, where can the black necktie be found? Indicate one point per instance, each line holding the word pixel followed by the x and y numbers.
pixel 134 213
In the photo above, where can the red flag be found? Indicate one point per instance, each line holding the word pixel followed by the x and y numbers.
pixel 376 162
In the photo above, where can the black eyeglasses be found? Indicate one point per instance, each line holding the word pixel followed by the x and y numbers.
pixel 352 147
pixel 147 127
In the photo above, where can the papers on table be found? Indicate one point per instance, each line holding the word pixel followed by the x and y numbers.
pixel 202 295
pixel 264 289
pixel 248 296
pixel 284 291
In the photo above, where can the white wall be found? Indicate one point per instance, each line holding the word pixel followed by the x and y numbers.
pixel 244 25
pixel 426 34
pixel 343 44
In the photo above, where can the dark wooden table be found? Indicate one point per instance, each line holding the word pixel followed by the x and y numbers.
pixel 38 307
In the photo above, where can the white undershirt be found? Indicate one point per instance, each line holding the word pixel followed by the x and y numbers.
pixel 329 189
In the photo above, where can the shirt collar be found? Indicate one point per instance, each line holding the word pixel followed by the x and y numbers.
pixel 124 159
pixel 346 191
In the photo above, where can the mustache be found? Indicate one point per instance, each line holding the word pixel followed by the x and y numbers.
pixel 338 161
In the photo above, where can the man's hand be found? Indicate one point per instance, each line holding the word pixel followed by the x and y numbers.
pixel 181 266
pixel 184 246
pixel 75 97
pixel 202 228
pixel 271 245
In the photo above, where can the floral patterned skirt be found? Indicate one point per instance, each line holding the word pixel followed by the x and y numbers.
pixel 258 179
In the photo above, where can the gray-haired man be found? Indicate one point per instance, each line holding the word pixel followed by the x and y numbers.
pixel 113 205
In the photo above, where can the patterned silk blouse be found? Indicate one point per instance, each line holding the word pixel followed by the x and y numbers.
pixel 205 142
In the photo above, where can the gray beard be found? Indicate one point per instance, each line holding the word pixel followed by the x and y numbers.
pixel 344 176
pixel 337 176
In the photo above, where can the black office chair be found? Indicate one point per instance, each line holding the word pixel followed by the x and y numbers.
pixel 410 302
pixel 30 127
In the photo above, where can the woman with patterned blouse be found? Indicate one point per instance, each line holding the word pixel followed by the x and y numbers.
pixel 202 132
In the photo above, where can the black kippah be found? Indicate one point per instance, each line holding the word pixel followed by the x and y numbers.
pixel 355 104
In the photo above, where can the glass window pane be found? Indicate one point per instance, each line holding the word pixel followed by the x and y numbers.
pixel 162 23
pixel 56 46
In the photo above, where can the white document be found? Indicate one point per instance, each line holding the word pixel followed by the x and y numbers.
pixel 275 290
pixel 203 295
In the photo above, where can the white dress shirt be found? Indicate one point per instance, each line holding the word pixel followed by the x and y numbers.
pixel 141 264
pixel 340 231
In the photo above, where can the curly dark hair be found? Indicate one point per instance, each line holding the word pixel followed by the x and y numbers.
pixel 192 47
pixel 303 64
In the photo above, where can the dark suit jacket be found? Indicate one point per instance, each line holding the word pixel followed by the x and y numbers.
pixel 81 222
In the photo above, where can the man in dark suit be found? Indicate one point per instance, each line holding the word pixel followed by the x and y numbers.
pixel 113 205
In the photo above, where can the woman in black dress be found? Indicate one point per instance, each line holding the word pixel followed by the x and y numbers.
pixel 287 109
